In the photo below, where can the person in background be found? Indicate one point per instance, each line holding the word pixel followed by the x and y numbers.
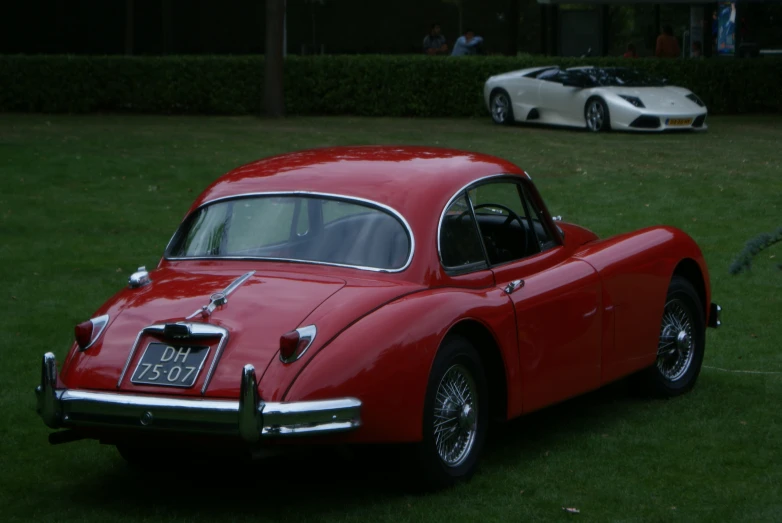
pixel 696 50
pixel 715 29
pixel 434 42
pixel 630 52
pixel 467 44
pixel 667 45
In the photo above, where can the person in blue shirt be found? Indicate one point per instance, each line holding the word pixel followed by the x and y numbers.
pixel 467 44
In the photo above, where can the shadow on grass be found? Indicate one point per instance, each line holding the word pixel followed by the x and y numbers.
pixel 318 480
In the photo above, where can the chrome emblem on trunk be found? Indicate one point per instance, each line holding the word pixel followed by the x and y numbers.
pixel 219 299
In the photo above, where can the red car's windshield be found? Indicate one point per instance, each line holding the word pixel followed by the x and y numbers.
pixel 306 228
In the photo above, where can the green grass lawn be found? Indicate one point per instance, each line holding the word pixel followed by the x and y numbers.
pixel 85 200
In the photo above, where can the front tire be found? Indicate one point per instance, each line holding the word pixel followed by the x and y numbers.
pixel 681 345
pixel 596 114
pixel 501 108
pixel 456 416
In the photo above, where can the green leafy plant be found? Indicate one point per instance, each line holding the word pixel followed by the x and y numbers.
pixel 743 261
pixel 364 85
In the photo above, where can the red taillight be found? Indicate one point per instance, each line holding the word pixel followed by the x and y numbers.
pixel 83 333
pixel 289 342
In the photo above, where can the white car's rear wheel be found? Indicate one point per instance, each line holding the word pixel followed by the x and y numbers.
pixel 596 114
pixel 501 108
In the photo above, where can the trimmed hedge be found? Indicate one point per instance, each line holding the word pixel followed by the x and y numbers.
pixel 368 85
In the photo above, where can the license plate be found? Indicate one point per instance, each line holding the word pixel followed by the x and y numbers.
pixel 678 121
pixel 170 365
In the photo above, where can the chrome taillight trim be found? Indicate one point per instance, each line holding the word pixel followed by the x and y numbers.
pixel 98 326
pixel 309 332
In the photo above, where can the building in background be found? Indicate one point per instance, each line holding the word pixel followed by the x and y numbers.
pixel 557 27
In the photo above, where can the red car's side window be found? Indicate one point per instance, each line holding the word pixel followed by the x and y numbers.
pixel 460 245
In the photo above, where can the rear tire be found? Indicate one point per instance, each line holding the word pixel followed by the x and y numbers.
pixel 501 108
pixel 681 346
pixel 456 417
pixel 596 114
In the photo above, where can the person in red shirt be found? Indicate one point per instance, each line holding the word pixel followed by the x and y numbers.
pixel 667 45
pixel 630 53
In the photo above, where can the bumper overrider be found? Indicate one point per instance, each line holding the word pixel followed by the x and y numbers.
pixel 250 417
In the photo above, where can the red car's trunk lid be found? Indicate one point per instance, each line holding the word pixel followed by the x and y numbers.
pixel 257 313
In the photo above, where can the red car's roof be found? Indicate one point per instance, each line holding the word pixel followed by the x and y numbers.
pixel 403 177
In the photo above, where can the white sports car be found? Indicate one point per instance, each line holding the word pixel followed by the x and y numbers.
pixel 600 98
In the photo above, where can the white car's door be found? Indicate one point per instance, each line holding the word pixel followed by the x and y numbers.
pixel 560 104
pixel 523 93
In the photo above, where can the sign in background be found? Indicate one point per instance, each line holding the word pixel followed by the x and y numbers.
pixel 726 29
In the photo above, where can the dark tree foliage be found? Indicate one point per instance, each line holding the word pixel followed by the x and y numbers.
pixel 743 261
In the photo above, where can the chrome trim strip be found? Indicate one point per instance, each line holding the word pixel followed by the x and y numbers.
pixel 372 203
pixel 130 358
pixel 248 418
pixel 100 322
pixel 215 360
pixel 114 398
pixel 237 282
pixel 308 417
pixel 453 198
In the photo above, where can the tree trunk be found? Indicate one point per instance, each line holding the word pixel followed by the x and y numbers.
pixel 513 28
pixel 128 27
pixel 274 101
pixel 166 17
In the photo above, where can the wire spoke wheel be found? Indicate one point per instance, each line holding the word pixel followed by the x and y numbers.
pixel 676 347
pixel 681 345
pixel 455 415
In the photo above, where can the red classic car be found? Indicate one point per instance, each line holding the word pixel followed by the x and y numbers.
pixel 376 295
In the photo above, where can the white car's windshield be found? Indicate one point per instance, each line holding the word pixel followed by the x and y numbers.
pixel 306 228
pixel 622 77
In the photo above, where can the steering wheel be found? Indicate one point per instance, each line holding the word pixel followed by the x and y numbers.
pixel 495 252
pixel 511 215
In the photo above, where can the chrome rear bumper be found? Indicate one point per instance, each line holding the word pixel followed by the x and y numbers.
pixel 249 418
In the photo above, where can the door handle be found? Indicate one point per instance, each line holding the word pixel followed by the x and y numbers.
pixel 514 286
